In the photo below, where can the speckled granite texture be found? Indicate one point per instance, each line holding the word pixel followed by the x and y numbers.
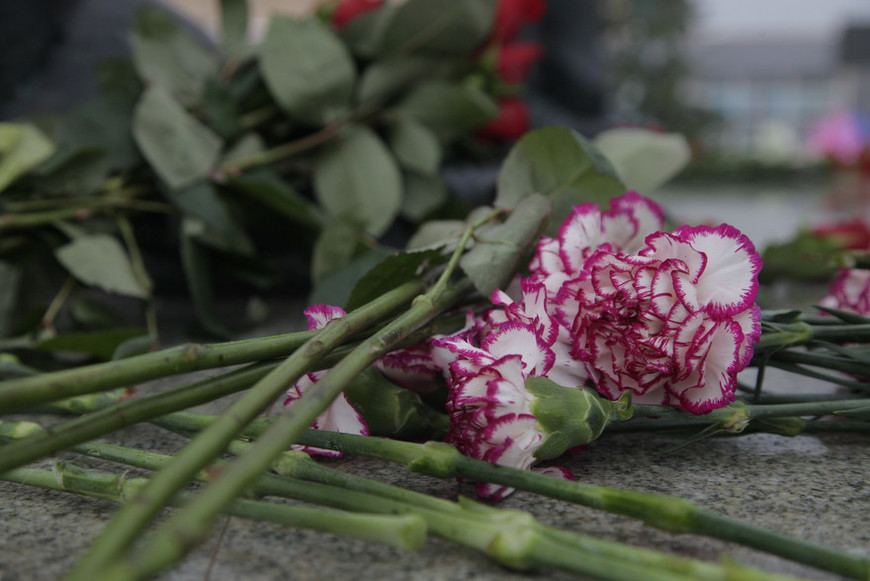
pixel 817 487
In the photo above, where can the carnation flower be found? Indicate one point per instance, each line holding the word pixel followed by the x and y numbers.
pixel 672 324
pixel 511 121
pixel 340 416
pixel 515 60
pixel 850 291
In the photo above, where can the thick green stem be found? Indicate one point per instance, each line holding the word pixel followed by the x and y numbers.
pixel 125 413
pixel 663 512
pixel 129 521
pixel 469 523
pixel 407 531
pixel 841 364
pixel 22 393
pixel 738 414
pixel 181 532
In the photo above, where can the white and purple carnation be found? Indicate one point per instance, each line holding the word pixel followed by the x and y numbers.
pixel 673 324
pixel 850 291
pixel 490 408
pixel 340 416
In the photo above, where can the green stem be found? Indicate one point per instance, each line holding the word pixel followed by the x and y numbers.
pixel 663 512
pixel 406 531
pixel 835 363
pixel 125 413
pixel 181 532
pixel 132 518
pixel 283 151
pixel 736 413
pixel 22 393
pixel 468 523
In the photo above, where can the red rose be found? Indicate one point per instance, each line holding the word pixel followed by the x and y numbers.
pixel 512 15
pixel 515 60
pixel 511 122
pixel 852 235
pixel 350 9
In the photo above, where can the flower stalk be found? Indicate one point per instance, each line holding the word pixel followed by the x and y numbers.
pixel 406 531
pixel 467 522
pixel 127 523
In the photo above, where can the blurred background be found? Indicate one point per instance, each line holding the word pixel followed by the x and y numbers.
pixel 739 77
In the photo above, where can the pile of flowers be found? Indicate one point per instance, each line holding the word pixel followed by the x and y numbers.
pixel 613 303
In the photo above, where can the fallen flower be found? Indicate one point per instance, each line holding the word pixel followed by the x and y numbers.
pixel 340 416
pixel 850 291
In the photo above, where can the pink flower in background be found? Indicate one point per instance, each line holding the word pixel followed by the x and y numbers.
pixel 839 137
pixel 850 292
pixel 340 416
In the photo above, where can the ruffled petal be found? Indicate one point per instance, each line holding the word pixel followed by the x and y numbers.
pixel 320 314
pixel 729 281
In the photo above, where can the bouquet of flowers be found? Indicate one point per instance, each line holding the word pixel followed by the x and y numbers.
pixel 486 350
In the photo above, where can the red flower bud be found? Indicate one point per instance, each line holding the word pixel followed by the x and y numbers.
pixel 348 10
pixel 511 122
pixel 515 60
pixel 512 15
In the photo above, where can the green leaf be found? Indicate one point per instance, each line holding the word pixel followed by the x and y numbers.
pixel 499 251
pixel 100 344
pixel 384 79
pixel 336 246
pixel 102 122
pixel 449 27
pixel 77 173
pixel 100 260
pixel 423 195
pixel 135 346
pixel 220 109
pixel 276 194
pixel 644 160
pixel 95 314
pixel 213 223
pixel 307 69
pixel 560 164
pixel 364 34
pixel 436 233
pixel 415 146
pixel 167 56
pixel 450 110
pixel 234 25
pixel 179 148
pixel 22 148
pixel 357 176
pixel 197 272
pixel 392 272
pixel 335 288
pixel 389 410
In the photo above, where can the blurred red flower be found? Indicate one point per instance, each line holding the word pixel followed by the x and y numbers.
pixel 348 10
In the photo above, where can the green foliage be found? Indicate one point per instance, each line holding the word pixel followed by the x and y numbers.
pixel 644 160
pixel 180 149
pixel 22 148
pixel 806 257
pixel 357 176
pixel 100 260
pixel 448 109
pixel 167 56
pixel 308 71
pixel 501 250
pixel 392 272
pixel 560 164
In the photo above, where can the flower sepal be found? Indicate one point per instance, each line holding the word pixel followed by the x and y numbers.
pixel 571 416
pixel 391 411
